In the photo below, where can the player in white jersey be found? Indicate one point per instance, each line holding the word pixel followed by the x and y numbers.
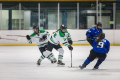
pixel 60 36
pixel 40 37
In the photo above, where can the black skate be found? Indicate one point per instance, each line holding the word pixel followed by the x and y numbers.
pixel 60 63
pixel 95 68
pixel 38 62
pixel 53 60
pixel 82 67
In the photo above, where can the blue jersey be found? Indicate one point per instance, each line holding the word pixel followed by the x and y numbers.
pixel 93 33
pixel 102 47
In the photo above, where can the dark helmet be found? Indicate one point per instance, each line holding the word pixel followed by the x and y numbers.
pixel 99 24
pixel 37 28
pixel 101 35
pixel 63 27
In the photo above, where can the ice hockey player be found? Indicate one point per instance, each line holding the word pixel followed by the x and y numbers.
pixel 93 33
pixel 100 50
pixel 40 37
pixel 61 36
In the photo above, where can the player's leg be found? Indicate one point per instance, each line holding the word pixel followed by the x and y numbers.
pixel 91 42
pixel 90 58
pixel 48 53
pixel 60 56
pixel 42 49
pixel 101 58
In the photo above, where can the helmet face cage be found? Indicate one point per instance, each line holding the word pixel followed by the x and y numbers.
pixel 99 24
pixel 63 27
pixel 37 28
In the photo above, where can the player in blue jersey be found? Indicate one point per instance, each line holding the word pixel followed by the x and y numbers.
pixel 100 49
pixel 93 33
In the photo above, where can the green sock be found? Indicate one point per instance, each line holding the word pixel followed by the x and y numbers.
pixel 41 57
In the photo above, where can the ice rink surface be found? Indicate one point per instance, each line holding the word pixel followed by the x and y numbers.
pixel 19 63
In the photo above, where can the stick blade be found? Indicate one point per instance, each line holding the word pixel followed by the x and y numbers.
pixel 73 67
pixel 8 35
pixel 79 40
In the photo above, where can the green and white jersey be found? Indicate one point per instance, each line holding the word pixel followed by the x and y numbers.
pixel 36 38
pixel 59 38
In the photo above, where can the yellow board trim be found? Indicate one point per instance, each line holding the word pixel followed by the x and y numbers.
pixel 54 0
pixel 61 45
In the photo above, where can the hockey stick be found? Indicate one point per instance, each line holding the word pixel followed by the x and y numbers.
pixel 79 40
pixel 15 39
pixel 9 39
pixel 16 35
pixel 73 67
pixel 13 35
pixel 71 58
pixel 21 36
pixel 71 62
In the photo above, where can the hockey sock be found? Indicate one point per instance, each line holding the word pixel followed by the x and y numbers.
pixel 51 56
pixel 86 62
pixel 42 57
pixel 60 57
pixel 98 63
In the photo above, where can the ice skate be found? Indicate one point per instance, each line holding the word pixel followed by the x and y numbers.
pixel 60 63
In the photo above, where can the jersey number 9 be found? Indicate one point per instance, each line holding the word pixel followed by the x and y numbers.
pixel 100 45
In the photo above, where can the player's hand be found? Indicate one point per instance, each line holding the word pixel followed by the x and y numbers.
pixel 41 39
pixel 28 37
pixel 70 42
pixel 88 38
pixel 44 37
pixel 70 47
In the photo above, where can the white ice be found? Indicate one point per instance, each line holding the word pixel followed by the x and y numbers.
pixel 19 63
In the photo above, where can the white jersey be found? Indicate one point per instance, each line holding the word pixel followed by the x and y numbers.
pixel 36 38
pixel 59 38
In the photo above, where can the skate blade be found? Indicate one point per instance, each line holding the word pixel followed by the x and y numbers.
pixel 53 63
pixel 94 69
pixel 73 67
pixel 60 65
pixel 37 65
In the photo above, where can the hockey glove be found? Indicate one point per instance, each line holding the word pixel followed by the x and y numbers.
pixel 88 38
pixel 28 37
pixel 70 42
pixel 70 47
pixel 44 37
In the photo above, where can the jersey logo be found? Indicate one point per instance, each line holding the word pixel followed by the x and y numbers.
pixel 64 39
pixel 93 28
pixel 55 35
pixel 89 31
